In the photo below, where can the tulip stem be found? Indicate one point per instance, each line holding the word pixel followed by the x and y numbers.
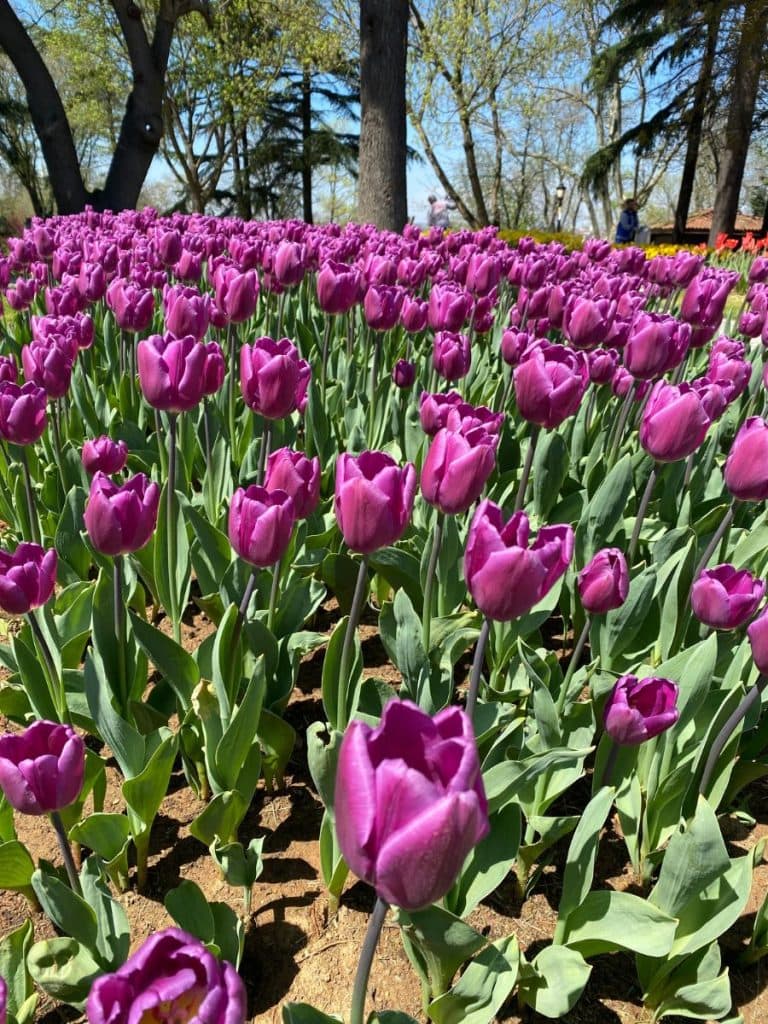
pixel 716 538
pixel 119 620
pixel 644 503
pixel 610 764
pixel 207 435
pixel 613 445
pixel 324 365
pixel 34 524
pixel 477 668
pixel 345 665
pixel 360 989
pixel 231 387
pixel 573 664
pixel 66 852
pixel 160 445
pixel 266 440
pixel 520 499
pixel 738 715
pixel 437 539
pixel 508 388
pixel 57 444
pixel 56 682
pixel 273 595
pixel 374 382
pixel 170 498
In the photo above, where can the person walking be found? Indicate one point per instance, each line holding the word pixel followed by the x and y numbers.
pixel 628 222
pixel 438 216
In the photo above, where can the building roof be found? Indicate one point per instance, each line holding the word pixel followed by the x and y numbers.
pixel 702 221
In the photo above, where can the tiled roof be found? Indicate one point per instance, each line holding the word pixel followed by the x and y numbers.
pixel 702 221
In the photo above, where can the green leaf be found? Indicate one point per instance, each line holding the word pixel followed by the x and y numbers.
pixel 190 910
pixel 113 939
pixel 323 745
pixel 442 940
pixel 239 866
pixel 211 551
pixel 16 866
pixel 64 969
pixel 705 1000
pixel 145 792
pixel 108 835
pixel 580 863
pixel 482 989
pixel 332 687
pixel 240 736
pixel 172 578
pixel 400 630
pixel 488 864
pixel 550 468
pixel 606 921
pixel 14 948
pixel 229 933
pixel 169 658
pixel 605 510
pixel 220 818
pixel 401 570
pixel 277 738
pixel 553 982
pixel 125 742
pixel 622 625
pixel 303 1013
pixel 69 912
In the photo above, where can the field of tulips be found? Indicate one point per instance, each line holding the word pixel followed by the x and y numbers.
pixel 379 603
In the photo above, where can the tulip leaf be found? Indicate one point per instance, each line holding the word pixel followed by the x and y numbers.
pixel 64 969
pixel 332 865
pixel 191 910
pixel 580 863
pixel 400 569
pixel 210 550
pixel 704 1000
pixel 33 677
pixel 621 626
pixel 553 981
pixel 400 631
pixel 607 921
pixel 177 667
pixel 108 835
pixel 550 468
pixel 334 689
pixel 303 1013
pixel 438 943
pixel 239 866
pixel 489 862
pixel 277 738
pixel 239 736
pixel 482 989
pixel 391 1017
pixel 16 866
pixel 605 511
pixel 71 548
pixel 144 792
pixel 113 938
pixel 227 663
pixel 220 818
pixel 70 913
pixel 323 745
pixel 14 948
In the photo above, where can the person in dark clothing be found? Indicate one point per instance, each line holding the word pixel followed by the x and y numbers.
pixel 628 222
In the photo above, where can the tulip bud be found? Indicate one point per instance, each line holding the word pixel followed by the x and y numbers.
pixel 338 286
pixel 23 416
pixel 413 314
pixel 604 583
pixel 236 293
pixel 705 297
pixel 273 378
pixel 215 368
pixel 121 518
pixel 746 468
pixel 373 499
pixel 298 476
pixel 42 768
pixel 27 578
pixel 504 575
pixel 169 247
pixel 451 355
pixel 639 709
pixel 187 312
pixel 514 345
pixel 290 263
pixel 104 455
pixel 382 305
pixel 586 321
pixel 602 365
pixel 260 524
pixel 404 373
pixel 409 802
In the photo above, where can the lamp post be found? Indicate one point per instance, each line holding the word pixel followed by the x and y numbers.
pixel 559 196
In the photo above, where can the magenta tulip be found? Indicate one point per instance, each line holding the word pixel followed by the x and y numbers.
pixel 23 416
pixel 27 578
pixel 746 468
pixel 639 709
pixel 298 476
pixel 725 598
pixel 121 518
pixel 457 467
pixel 273 378
pixel 451 355
pixel 604 583
pixel 550 382
pixel 42 768
pixel 104 455
pixel 171 372
pixel 260 524
pixel 676 420
pixel 373 499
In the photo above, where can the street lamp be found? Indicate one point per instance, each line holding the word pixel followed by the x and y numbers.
pixel 559 196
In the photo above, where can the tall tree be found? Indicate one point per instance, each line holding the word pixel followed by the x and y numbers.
pixel 749 66
pixel 142 125
pixel 383 149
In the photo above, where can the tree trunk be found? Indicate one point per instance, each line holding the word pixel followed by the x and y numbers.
pixel 306 145
pixel 738 131
pixel 383 48
pixel 47 113
pixel 695 127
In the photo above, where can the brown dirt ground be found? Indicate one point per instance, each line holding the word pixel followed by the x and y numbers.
pixel 293 953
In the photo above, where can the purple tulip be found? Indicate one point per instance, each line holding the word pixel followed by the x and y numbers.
pixel 587 321
pixel 92 282
pixel 550 383
pixel 236 293
pixel 705 297
pixel 189 266
pixel 483 273
pixel 187 312
pixel 604 583
pixel 725 598
pixel 3 1001
pixel 728 367
pixel 435 412
pixel 602 365
pixel 373 499
pixel 23 415
pixel 639 709
pixel 449 307
pixel 451 355
pixel 757 632
pixel 413 314
pixel 290 263
pixel 172 977
pixel 457 467
pixel 27 578
pixel 121 518
pixel 298 476
pixel 273 378
pixel 48 365
pixel 514 345
pixel 42 768
pixel 104 455
pixel 656 343
pixel 8 369
pixel 746 468
pixel 338 287
pixel 169 246
pixel 382 305
pixel 215 368
pixel 404 373
pixel 133 307
pixel 504 575
pixel 676 420
pixel 758 272
pixel 409 802
pixel 260 524
pixel 171 372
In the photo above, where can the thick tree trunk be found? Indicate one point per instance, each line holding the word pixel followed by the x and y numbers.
pixel 696 126
pixel 47 113
pixel 306 145
pixel 748 66
pixel 383 47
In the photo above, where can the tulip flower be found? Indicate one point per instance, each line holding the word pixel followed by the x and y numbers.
pixel 169 246
pixel 104 455
pixel 604 584
pixel 298 476
pixel 236 293
pixel 171 372
pixel 602 365
pixel 8 369
pixel 639 709
pixel 409 802
pixel 171 977
pixel 373 499
pixel 413 314
pixel 42 768
pixel 290 263
pixel 133 307
pixel 22 412
pixel 382 305
pixel 587 321
pixel 746 468
pixel 505 576
pixel 675 420
pixel 656 344
pixel 705 297
pixel 404 373
pixel 187 312
pixel 260 524
pixel 27 578
pixel 514 345
pixel 121 518
pixel 457 466
pixel 725 598
pixel 48 365
pixel 272 376
pixel 451 355
pixel 338 287
pixel 449 308
pixel 550 382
